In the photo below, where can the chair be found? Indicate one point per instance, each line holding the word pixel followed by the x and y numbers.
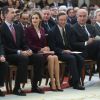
pixel 12 74
pixel 62 69
pixel 91 64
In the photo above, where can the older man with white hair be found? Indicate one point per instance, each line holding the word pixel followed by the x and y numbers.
pixel 97 18
pixel 83 37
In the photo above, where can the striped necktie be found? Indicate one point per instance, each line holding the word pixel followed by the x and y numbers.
pixel 13 32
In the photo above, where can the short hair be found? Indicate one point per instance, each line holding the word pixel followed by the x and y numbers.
pixel 95 13
pixel 69 10
pixel 61 14
pixel 83 10
pixel 5 10
pixel 63 8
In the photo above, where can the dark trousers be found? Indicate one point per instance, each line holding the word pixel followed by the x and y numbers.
pixel 22 62
pixel 93 52
pixel 38 62
pixel 3 72
pixel 75 63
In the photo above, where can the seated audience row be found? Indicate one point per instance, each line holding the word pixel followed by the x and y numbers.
pixel 39 40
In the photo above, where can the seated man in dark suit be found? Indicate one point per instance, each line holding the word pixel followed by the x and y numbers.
pixel 18 53
pixel 3 68
pixel 59 41
pixel 47 22
pixel 83 37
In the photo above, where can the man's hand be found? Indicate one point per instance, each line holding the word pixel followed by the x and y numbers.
pixel 27 52
pixel 67 51
pixel 2 59
pixel 91 40
pixel 45 49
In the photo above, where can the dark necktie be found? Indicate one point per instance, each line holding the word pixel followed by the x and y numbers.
pixel 65 38
pixel 48 27
pixel 84 30
pixel 13 32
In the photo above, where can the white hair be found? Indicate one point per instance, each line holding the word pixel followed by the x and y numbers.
pixel 82 10
pixel 96 11
pixel 63 8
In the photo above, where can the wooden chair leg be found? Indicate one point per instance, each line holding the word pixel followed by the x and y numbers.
pixel 7 85
pixel 62 71
pixel 99 71
pixel 83 75
pixel 91 69
pixel 40 81
pixel 47 80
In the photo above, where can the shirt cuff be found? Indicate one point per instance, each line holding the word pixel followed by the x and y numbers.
pixel 86 43
pixel 18 52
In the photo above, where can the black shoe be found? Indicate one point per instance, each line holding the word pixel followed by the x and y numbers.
pixel 54 90
pixel 19 92
pixel 79 87
pixel 38 90
pixel 60 90
pixel 2 94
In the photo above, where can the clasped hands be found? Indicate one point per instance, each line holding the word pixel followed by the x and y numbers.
pixel 46 50
pixel 2 58
pixel 90 40
pixel 26 52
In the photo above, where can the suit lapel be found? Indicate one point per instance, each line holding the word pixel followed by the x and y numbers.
pixel 8 32
pixel 16 34
pixel 98 27
pixel 59 35
pixel 84 34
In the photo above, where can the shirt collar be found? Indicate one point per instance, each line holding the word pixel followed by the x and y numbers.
pixel 98 23
pixel 60 27
pixel 82 25
pixel 8 24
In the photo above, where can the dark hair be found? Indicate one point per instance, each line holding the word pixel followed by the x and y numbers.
pixel 60 14
pixel 40 16
pixel 69 10
pixel 5 10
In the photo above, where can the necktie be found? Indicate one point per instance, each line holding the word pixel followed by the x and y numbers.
pixel 48 26
pixel 84 30
pixel 65 38
pixel 13 32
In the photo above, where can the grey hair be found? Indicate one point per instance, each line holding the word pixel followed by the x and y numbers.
pixel 82 10
pixel 96 11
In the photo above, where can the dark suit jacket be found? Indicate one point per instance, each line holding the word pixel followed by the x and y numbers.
pixel 34 42
pixel 1 48
pixel 78 37
pixel 56 41
pixel 51 24
pixel 97 27
pixel 10 46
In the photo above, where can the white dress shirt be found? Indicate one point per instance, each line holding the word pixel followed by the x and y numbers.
pixel 98 23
